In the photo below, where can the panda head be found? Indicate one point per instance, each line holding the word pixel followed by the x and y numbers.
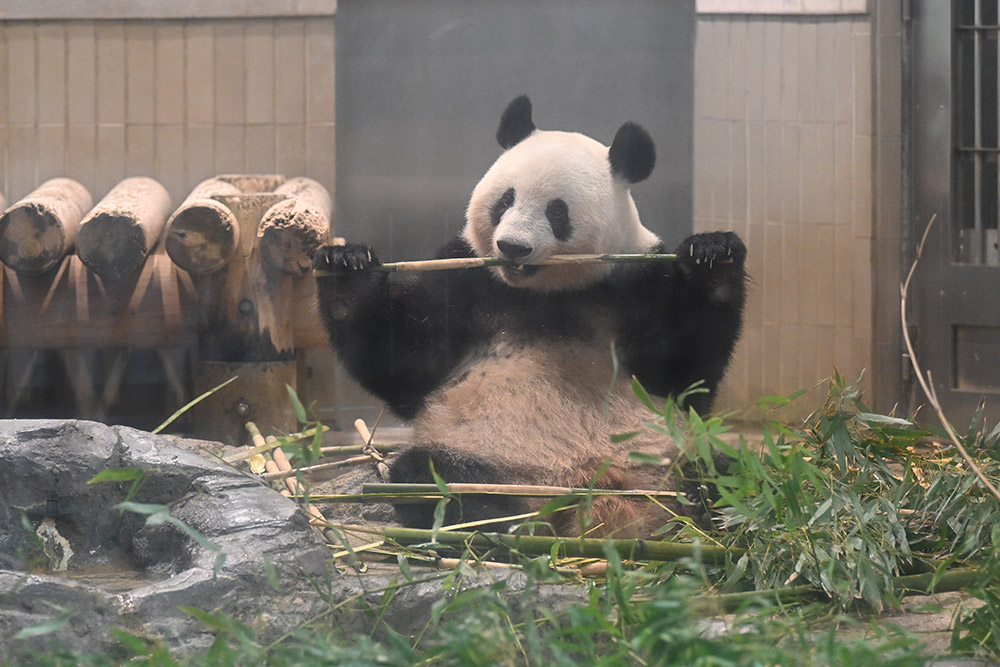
pixel 553 193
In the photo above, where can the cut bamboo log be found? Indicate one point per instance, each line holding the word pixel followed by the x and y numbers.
pixel 37 231
pixel 292 230
pixel 118 234
pixel 203 233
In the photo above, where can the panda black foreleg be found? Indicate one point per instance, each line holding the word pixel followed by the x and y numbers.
pixel 707 309
pixel 391 332
pixel 683 323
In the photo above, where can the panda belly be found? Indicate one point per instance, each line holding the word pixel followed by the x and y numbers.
pixel 542 413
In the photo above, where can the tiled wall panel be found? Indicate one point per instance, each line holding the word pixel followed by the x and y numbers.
pixel 797 184
pixel 178 100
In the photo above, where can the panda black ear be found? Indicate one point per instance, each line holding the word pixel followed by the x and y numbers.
pixel 515 123
pixel 632 154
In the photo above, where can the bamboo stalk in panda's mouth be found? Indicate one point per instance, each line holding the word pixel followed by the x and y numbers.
pixel 479 262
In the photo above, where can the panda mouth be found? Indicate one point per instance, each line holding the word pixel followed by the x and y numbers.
pixel 520 270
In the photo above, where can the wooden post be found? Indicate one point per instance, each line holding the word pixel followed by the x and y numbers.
pixel 257 395
pixel 203 234
pixel 37 231
pixel 247 329
pixel 292 230
pixel 116 236
pixel 252 184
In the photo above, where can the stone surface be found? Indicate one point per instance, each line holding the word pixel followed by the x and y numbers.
pixel 44 470
pixel 124 573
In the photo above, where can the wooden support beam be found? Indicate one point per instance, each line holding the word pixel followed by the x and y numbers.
pixel 37 231
pixel 203 233
pixel 159 312
pixel 245 308
pixel 79 312
pixel 292 230
pixel 118 234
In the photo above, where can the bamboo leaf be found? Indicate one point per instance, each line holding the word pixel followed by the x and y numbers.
pixel 191 404
pixel 404 566
pixel 872 418
pixel 640 391
pixel 300 411
pixel 214 621
pixel 117 475
pixel 556 504
pixel 46 627
pixel 134 643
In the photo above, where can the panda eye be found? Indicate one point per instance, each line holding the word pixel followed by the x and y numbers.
pixel 501 205
pixel 558 216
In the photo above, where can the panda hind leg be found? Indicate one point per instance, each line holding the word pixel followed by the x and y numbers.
pixel 413 466
pixel 611 517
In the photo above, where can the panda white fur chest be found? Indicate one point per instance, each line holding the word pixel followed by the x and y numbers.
pixel 507 373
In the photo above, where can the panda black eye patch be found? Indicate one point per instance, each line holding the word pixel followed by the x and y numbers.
pixel 501 205
pixel 558 215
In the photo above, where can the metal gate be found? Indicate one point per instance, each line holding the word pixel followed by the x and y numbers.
pixel 954 118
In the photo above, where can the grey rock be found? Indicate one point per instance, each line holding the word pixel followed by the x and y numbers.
pixel 123 572
pixel 44 470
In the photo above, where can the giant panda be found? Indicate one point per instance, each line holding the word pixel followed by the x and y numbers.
pixel 522 374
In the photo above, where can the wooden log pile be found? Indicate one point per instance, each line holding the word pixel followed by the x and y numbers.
pixel 230 280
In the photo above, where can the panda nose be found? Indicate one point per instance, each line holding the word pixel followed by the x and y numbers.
pixel 514 250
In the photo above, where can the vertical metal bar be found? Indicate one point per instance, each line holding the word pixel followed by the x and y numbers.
pixel 977 110
pixel 996 123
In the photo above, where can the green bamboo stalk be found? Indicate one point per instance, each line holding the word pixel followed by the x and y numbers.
pixel 953 580
pixel 568 547
pixel 522 490
pixel 731 602
pixel 919 584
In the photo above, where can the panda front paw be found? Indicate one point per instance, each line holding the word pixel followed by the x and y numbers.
pixel 344 260
pixel 711 250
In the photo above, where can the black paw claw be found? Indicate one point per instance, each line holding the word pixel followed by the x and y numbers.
pixel 712 248
pixel 345 259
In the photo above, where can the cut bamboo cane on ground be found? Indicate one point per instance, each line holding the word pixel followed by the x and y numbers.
pixel 369 449
pixel 268 446
pixel 279 464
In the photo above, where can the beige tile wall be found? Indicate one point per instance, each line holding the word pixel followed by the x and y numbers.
pixel 178 100
pixel 783 156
